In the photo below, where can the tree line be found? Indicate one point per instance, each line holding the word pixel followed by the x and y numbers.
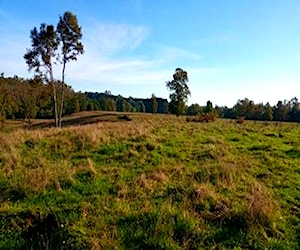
pixel 33 98
pixel 108 102
pixel 287 110
pixel 247 109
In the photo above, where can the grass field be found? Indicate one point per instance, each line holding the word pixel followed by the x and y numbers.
pixel 155 182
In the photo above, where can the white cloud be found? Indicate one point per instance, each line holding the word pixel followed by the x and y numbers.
pixel 118 71
pixel 106 39
pixel 111 57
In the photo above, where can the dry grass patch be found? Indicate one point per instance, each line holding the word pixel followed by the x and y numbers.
pixel 261 208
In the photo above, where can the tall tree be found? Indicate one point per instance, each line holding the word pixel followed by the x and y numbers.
pixel 69 35
pixel 40 57
pixel 45 43
pixel 180 91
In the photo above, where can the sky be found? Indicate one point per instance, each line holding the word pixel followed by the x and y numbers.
pixel 231 49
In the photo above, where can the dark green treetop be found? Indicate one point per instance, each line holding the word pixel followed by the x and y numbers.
pixel 179 91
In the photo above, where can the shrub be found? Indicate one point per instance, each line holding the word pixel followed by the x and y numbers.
pixel 240 120
pixel 202 118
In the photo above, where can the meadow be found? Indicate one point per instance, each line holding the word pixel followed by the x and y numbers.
pixel 150 182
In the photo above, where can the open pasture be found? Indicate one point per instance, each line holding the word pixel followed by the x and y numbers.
pixel 151 182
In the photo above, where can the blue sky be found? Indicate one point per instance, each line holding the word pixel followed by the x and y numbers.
pixel 231 49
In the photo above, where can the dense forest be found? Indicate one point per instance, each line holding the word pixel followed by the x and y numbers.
pixel 31 98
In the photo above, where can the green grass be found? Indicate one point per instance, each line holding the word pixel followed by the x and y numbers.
pixel 156 182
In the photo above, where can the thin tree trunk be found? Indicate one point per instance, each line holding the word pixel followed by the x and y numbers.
pixel 54 97
pixel 62 94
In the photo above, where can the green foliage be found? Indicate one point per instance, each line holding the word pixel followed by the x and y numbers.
pixel 44 44
pixel 180 93
pixel 69 35
pixel 8 99
pixel 30 99
pixel 283 111
pixel 44 54
pixel 154 104
pixel 209 108
pixel 109 102
pixel 194 109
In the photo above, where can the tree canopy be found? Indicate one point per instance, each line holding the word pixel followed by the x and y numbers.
pixel 44 52
pixel 179 91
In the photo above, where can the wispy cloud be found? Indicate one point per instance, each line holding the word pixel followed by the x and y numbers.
pixel 175 53
pixel 111 57
pixel 108 39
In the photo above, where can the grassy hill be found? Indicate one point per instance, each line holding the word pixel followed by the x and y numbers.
pixel 155 182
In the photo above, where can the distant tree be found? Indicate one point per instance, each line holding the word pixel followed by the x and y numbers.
pixel 90 106
pixel 294 109
pixel 111 104
pixel 83 101
pixel 281 111
pixel 69 35
pixel 194 109
pixel 228 113
pixel 96 105
pixel 267 112
pixel 142 106
pixel 10 91
pixel 76 105
pixel 28 100
pixel 126 106
pixel 6 102
pixel 258 112
pixel 244 108
pixel 135 107
pixel 107 92
pixel 163 106
pixel 180 92
pixel 218 111
pixel 154 103
pixel 71 101
pixel 208 108
pixel 119 103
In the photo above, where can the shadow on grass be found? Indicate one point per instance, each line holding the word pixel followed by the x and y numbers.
pixel 82 119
